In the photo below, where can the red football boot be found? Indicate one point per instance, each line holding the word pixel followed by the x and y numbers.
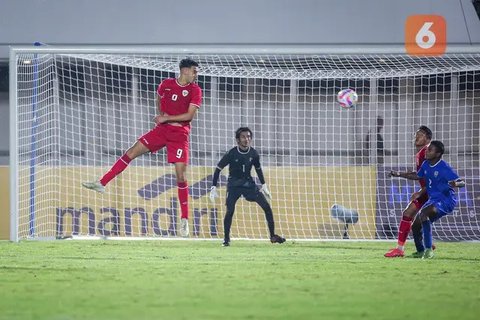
pixel 394 253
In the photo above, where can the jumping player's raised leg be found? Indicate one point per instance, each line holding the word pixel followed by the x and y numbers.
pixel 121 164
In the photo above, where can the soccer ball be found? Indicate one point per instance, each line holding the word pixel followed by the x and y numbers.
pixel 347 98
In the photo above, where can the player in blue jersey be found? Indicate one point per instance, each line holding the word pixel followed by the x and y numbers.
pixel 410 220
pixel 440 180
pixel 240 160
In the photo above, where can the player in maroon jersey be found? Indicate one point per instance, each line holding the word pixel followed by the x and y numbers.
pixel 423 136
pixel 178 100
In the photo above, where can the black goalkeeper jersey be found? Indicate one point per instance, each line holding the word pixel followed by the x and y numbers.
pixel 240 166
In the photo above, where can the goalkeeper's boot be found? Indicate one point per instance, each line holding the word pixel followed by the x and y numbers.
pixel 394 253
pixel 184 231
pixel 94 185
pixel 277 239
pixel 226 243
pixel 417 254
pixel 428 254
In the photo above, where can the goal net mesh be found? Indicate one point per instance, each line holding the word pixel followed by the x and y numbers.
pixel 327 167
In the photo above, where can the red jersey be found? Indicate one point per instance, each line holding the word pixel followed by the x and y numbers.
pixel 175 98
pixel 419 158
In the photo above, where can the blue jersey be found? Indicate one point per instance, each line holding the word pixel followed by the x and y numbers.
pixel 437 178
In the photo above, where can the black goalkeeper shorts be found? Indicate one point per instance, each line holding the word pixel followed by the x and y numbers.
pixel 249 193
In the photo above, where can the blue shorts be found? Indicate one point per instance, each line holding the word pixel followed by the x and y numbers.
pixel 443 206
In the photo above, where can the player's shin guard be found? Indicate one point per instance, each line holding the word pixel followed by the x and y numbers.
pixel 427 234
pixel 183 198
pixel 418 236
pixel 116 169
pixel 404 230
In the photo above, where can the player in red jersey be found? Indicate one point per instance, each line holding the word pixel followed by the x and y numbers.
pixel 178 100
pixel 423 136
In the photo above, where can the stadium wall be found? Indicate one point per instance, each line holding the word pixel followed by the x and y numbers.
pixel 150 22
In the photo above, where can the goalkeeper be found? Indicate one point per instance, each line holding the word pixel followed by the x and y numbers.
pixel 240 160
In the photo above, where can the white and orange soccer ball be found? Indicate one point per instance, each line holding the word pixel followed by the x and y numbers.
pixel 347 98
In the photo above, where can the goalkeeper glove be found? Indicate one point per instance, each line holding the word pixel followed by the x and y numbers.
pixel 213 194
pixel 266 192
pixel 394 173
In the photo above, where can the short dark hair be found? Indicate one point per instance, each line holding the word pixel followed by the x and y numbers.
pixel 187 63
pixel 427 131
pixel 242 129
pixel 438 146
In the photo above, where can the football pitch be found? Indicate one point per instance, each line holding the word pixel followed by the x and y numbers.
pixel 249 280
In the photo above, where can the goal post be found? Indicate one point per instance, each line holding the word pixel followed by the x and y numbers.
pixel 75 110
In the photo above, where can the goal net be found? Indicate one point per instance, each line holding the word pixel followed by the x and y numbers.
pixel 74 112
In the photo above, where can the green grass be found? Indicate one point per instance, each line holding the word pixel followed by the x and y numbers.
pixel 249 280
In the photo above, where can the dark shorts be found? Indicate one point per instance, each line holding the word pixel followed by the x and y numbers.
pixel 443 206
pixel 249 193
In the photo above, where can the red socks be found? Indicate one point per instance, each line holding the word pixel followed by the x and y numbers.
pixel 116 169
pixel 404 230
pixel 124 161
pixel 183 198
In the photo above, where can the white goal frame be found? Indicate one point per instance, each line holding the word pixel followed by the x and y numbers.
pixel 173 50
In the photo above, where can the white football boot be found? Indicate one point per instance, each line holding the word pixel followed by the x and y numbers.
pixel 184 231
pixel 94 185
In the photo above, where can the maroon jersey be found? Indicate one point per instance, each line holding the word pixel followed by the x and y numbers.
pixel 419 158
pixel 175 98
